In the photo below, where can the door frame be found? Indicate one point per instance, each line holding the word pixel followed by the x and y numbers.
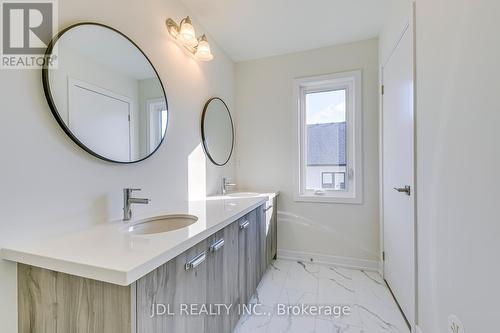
pixel 411 26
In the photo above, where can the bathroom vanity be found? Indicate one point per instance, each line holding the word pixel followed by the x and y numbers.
pixel 194 279
pixel 156 273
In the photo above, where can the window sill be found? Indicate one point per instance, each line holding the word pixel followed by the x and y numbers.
pixel 328 199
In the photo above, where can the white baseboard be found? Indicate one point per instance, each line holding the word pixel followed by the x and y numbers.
pixel 368 265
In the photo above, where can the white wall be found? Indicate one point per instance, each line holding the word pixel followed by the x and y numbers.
pixel 49 185
pixel 264 149
pixel 458 119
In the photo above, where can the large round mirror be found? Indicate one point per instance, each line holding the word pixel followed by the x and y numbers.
pixel 217 131
pixel 105 93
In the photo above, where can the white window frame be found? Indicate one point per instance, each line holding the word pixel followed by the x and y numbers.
pixel 153 118
pixel 352 82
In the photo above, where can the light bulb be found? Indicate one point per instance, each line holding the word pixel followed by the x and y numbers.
pixel 203 50
pixel 186 34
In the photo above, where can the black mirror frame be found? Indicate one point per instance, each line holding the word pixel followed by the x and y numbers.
pixel 203 136
pixel 52 105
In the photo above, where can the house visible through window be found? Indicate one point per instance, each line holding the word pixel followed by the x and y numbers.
pixel 325 136
pixel 333 180
pixel 328 116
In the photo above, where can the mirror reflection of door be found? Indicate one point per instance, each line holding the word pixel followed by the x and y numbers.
pixel 106 94
pixel 156 122
pixel 100 118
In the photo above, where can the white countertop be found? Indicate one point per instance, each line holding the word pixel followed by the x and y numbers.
pixel 249 193
pixel 107 252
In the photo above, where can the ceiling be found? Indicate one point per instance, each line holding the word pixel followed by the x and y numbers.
pixel 250 29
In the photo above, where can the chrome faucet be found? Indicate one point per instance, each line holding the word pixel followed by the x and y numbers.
pixel 128 201
pixel 225 184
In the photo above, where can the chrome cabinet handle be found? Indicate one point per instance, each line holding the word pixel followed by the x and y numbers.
pixel 266 209
pixel 196 261
pixel 217 245
pixel 406 189
pixel 244 224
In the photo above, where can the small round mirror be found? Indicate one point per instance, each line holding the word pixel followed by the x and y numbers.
pixel 105 93
pixel 217 131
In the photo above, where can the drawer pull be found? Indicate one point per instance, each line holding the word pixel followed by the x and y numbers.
pixel 217 245
pixel 244 224
pixel 196 261
pixel 265 210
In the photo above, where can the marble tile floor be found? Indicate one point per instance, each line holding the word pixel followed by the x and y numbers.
pixel 372 308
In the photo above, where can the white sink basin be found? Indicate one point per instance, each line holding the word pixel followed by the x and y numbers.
pixel 243 195
pixel 163 223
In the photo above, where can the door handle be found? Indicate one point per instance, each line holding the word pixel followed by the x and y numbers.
pixel 217 245
pixel 406 189
pixel 196 261
pixel 244 224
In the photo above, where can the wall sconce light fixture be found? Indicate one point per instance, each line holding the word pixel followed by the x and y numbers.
pixel 185 34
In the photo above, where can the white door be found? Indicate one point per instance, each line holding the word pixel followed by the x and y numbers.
pixel 398 175
pixel 100 119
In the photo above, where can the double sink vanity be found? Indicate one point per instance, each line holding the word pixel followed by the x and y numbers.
pixel 161 273
pixel 191 272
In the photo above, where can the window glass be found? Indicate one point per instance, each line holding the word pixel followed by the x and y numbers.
pixel 326 149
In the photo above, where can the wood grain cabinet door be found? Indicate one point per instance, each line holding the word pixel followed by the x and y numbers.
pixel 268 211
pixel 222 280
pixel 243 229
pixel 271 217
pixel 215 282
pixel 274 229
pixel 53 302
pixel 174 289
pixel 252 255
pixel 262 241
pixel 231 273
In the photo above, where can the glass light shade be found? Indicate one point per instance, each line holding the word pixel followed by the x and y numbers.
pixel 186 34
pixel 203 51
pixel 173 31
